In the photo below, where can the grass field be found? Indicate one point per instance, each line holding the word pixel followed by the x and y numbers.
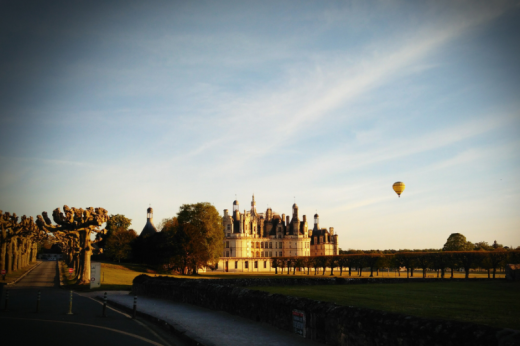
pixel 16 274
pixel 490 303
pixel 119 276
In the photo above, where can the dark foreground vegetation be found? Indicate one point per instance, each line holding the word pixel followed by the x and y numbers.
pixel 493 303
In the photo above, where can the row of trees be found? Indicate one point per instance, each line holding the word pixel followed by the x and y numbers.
pixel 19 239
pixel 438 261
pixel 455 242
pixel 72 232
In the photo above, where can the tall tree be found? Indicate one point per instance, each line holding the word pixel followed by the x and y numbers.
pixel 119 245
pixel 194 237
pixel 114 223
pixel 457 242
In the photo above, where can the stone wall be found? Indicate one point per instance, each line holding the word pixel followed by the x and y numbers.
pixel 325 322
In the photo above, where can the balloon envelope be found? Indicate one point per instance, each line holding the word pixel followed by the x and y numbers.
pixel 398 188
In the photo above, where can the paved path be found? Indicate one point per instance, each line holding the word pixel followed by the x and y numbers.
pixel 210 327
pixel 22 325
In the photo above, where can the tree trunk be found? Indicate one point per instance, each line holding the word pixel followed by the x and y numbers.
pixel 85 253
pixel 451 277
pixel 3 254
pixel 349 271
pixel 424 273
pixel 371 272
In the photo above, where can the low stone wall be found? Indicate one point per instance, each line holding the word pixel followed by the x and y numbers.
pixel 325 322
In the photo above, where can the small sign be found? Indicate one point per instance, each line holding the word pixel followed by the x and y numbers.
pixel 95 275
pixel 298 321
pixel 3 271
pixel 71 270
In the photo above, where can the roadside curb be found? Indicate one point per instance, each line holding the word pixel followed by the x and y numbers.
pixel 27 272
pixel 175 329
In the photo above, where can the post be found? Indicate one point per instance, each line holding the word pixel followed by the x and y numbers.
pixel 135 307
pixel 38 302
pixel 70 305
pixel 105 305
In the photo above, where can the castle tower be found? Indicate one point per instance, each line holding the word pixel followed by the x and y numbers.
pixel 149 228
pixel 236 210
pixel 316 222
pixel 253 206
pixel 295 212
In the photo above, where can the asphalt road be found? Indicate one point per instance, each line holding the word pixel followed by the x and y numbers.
pixel 21 324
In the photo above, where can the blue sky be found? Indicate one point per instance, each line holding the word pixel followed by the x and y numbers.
pixel 127 104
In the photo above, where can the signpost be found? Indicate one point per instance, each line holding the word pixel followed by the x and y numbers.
pixel 3 274
pixel 298 322
pixel 71 270
pixel 95 275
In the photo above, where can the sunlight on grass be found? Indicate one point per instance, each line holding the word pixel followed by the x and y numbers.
pixel 491 303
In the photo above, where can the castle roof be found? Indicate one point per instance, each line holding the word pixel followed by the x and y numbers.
pixel 148 229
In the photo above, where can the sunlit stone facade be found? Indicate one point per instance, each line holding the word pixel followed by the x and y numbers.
pixel 252 239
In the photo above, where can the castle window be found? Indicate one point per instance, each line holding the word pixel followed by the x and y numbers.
pixel 227 244
pixel 265 264
pixel 227 253
pixel 236 264
pixel 229 227
pixel 270 254
pixel 270 245
pixel 246 265
pixel 256 264
pixel 262 245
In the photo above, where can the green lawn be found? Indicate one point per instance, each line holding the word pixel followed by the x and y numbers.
pixel 490 303
pixel 17 274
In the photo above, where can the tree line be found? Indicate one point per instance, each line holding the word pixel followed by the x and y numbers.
pixel 411 261
pixel 19 239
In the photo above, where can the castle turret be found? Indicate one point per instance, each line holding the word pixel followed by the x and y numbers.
pixel 236 210
pixel 316 222
pixel 149 228
pixel 253 205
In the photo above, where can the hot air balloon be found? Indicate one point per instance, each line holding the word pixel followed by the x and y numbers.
pixel 398 188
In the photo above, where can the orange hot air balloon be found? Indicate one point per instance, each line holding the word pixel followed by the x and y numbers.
pixel 398 188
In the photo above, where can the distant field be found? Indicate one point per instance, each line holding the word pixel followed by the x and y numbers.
pixel 493 303
pixel 119 276
pixel 365 274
